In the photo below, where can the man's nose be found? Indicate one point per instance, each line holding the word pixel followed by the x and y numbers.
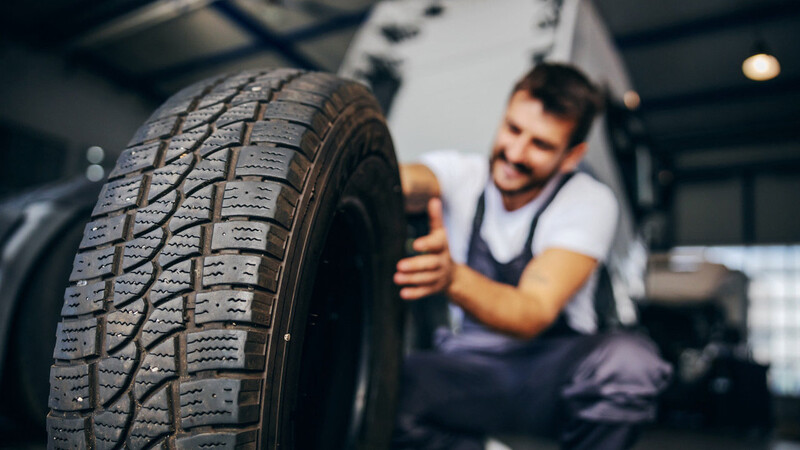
pixel 515 150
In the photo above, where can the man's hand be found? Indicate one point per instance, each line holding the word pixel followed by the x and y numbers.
pixel 432 271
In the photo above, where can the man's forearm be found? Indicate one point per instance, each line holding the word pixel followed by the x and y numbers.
pixel 498 305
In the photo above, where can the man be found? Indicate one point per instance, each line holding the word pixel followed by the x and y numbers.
pixel 515 244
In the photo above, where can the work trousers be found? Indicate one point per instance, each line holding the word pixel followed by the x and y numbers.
pixel 591 392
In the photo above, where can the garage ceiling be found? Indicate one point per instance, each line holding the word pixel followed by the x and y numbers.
pixel 685 59
pixel 684 56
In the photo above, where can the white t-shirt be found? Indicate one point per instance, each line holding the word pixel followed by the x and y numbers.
pixel 582 218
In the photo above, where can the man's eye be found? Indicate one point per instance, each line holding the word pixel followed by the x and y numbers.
pixel 513 128
pixel 546 146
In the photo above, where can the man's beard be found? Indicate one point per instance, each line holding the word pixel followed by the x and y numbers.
pixel 535 182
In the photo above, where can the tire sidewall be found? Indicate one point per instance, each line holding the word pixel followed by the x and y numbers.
pixel 355 169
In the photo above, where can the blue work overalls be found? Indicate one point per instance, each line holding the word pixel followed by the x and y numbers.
pixel 590 391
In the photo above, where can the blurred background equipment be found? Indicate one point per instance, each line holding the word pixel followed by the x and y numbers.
pixel 696 311
pixel 704 159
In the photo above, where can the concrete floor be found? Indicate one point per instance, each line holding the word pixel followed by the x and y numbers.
pixel 654 439
pixel 668 439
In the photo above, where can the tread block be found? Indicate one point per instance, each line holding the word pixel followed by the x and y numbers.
pixel 261 199
pixel 324 104
pixel 177 104
pixel 277 77
pixel 135 159
pixel 152 422
pixel 114 372
pixel 173 281
pixel 184 143
pixel 76 339
pixel 233 306
pixel 92 264
pixel 219 402
pixel 156 129
pixel 298 137
pixel 243 440
pixel 132 284
pixel 158 366
pixel 243 77
pixel 250 235
pixel 325 86
pixel 84 299
pixel 165 319
pixel 273 162
pixel 321 79
pixel 168 177
pixel 300 114
pixel 69 388
pixel 109 424
pixel 223 137
pixel 220 94
pixel 142 248
pixel 155 214
pixel 225 349
pixel 252 94
pixel 195 209
pixel 249 270
pixel 118 194
pixel 107 230
pixel 195 89
pixel 185 244
pixel 212 168
pixel 122 324
pixel 202 116
pixel 64 433
pixel 235 82
pixel 243 112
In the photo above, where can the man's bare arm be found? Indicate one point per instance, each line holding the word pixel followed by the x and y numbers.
pixel 419 186
pixel 546 285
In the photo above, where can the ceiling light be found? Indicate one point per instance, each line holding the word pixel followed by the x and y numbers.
pixel 761 65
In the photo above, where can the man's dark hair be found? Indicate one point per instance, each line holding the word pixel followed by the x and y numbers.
pixel 564 92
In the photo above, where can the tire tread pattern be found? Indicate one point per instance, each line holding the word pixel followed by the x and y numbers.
pixel 167 319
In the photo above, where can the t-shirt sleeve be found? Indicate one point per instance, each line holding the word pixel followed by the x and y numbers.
pixel 583 221
pixel 453 169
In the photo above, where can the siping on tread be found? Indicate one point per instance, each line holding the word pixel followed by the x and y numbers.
pixel 177 270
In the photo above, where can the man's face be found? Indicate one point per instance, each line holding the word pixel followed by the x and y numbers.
pixel 529 148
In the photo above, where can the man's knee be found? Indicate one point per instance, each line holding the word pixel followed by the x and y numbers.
pixel 619 379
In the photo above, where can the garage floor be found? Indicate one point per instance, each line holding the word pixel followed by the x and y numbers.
pixel 12 438
pixel 671 439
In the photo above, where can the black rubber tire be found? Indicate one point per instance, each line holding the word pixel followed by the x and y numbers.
pixel 32 336
pixel 234 288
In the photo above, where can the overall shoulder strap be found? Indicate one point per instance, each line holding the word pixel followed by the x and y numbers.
pixel 547 202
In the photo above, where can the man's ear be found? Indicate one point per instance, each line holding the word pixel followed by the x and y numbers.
pixel 574 157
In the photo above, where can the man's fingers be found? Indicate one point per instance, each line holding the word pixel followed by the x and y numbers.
pixel 435 215
pixel 419 263
pixel 417 278
pixel 417 292
pixel 434 242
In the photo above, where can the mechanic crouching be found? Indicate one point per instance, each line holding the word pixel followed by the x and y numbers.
pixel 515 243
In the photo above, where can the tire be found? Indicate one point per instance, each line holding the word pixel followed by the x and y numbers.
pixel 234 287
pixel 37 315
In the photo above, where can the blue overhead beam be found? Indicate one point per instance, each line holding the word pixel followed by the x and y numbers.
pixel 334 24
pixel 118 76
pixel 203 62
pixel 266 37
pixel 310 32
pixel 738 18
